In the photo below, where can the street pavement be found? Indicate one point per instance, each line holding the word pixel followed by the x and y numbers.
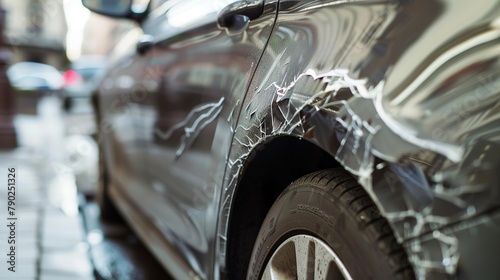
pixel 49 234
pixel 59 235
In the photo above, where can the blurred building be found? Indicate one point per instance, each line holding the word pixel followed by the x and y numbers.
pixel 35 30
pixel 38 31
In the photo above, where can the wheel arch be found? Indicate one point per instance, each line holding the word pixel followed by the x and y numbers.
pixel 270 168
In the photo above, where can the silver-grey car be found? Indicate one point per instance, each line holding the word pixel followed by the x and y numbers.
pixel 283 139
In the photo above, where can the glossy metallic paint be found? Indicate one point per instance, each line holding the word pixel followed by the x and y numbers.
pixel 179 102
pixel 403 94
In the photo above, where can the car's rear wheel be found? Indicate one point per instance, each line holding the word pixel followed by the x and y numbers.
pixel 325 226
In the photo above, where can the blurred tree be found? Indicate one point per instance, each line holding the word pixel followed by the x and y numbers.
pixel 8 138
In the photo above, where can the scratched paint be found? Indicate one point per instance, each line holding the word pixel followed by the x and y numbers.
pixel 424 149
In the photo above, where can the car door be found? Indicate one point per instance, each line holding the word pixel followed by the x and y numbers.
pixel 119 121
pixel 198 70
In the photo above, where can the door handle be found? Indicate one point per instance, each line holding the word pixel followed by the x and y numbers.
pixel 250 9
pixel 145 43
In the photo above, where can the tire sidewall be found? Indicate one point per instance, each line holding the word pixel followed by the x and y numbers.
pixel 309 209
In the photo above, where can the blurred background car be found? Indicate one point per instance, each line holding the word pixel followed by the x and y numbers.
pixel 81 79
pixel 30 80
pixel 33 76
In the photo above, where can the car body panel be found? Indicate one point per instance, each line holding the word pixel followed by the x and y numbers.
pixel 190 82
pixel 407 103
pixel 121 121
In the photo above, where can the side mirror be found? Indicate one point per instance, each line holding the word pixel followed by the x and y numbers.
pixel 134 9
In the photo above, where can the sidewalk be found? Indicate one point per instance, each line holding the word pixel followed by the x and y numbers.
pixel 49 232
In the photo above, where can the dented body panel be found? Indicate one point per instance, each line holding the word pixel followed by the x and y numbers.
pixel 402 94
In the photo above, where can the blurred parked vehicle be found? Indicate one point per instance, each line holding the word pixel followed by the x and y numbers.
pixel 30 80
pixel 34 77
pixel 284 139
pixel 82 78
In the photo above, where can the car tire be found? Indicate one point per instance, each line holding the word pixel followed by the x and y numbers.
pixel 325 226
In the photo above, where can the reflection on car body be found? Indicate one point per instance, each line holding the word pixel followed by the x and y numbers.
pixel 82 78
pixel 211 123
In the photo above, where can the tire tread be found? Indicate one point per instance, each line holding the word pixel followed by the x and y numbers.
pixel 356 200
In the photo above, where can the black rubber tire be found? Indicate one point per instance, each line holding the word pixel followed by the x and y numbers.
pixel 333 207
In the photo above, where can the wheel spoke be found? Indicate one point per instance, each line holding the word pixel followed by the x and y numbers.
pixel 282 264
pixel 304 252
pixel 323 260
pixel 305 257
pixel 267 273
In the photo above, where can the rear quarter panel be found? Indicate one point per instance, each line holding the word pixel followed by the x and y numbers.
pixel 404 94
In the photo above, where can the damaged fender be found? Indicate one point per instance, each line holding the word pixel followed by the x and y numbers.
pixel 405 96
